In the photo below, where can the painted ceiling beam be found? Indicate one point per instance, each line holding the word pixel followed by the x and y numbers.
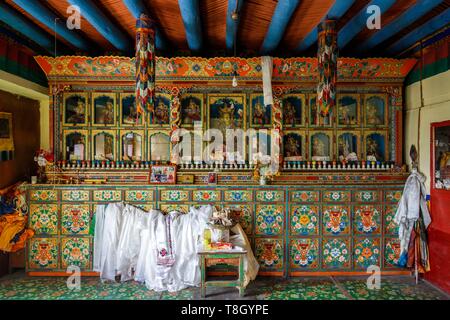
pixel 359 21
pixel 190 12
pixel 103 25
pixel 20 24
pixel 232 26
pixel 47 18
pixel 136 8
pixel 420 32
pixel 414 13
pixel 339 8
pixel 280 19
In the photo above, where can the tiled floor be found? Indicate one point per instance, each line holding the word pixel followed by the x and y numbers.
pixel 17 286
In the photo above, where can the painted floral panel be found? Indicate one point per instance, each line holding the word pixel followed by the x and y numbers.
pixel 304 196
pixel 390 227
pixel 238 195
pixel 367 220
pixel 269 195
pixel 174 195
pixel 304 220
pixel 75 195
pixel 366 252
pixel 366 196
pixel 43 195
pixel 336 253
pixel 75 252
pixel 206 195
pixel 107 195
pixel 393 195
pixel 174 207
pixel 43 253
pixel 336 196
pixel 391 252
pixel 269 253
pixel 75 218
pixel 304 253
pixel 139 195
pixel 44 218
pixel 269 219
pixel 336 220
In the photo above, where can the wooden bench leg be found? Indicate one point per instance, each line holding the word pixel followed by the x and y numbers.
pixel 241 277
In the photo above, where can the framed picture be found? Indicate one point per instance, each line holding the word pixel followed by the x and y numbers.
pixel 320 146
pixel 104 109
pixel 375 110
pixel 375 146
pixel 212 178
pixel 160 114
pixel 6 137
pixel 348 110
pixel 348 145
pixel 191 109
pixel 294 146
pixel 315 118
pixel 260 114
pixel 128 111
pixel 226 111
pixel 75 109
pixel 163 174
pixel 293 110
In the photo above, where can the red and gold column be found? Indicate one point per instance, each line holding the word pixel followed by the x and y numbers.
pixel 145 64
pixel 327 55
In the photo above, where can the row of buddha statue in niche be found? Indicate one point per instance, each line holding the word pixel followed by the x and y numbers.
pixel 298 145
pixel 223 111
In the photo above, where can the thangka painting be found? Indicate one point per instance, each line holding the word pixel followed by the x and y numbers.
pixel 320 146
pixel 293 146
pixel 159 114
pixel 129 114
pixel 375 110
pixel 226 111
pixel 348 146
pixel 6 137
pixel 103 109
pixel 316 119
pixel 293 110
pixel 375 146
pixel 191 109
pixel 348 110
pixel 75 110
pixel 260 114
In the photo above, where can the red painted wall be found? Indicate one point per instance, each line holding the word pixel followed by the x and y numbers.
pixel 439 229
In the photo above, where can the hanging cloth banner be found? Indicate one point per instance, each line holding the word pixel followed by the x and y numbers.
pixel 327 55
pixel 267 67
pixel 145 64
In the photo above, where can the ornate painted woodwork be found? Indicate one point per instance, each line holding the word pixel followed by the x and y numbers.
pixel 292 228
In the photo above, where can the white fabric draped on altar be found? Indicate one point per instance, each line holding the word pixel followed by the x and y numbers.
pixel 156 249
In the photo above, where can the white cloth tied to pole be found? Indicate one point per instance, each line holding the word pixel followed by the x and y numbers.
pixel 413 202
pixel 267 67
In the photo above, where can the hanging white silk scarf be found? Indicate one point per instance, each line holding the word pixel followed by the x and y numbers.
pixel 267 67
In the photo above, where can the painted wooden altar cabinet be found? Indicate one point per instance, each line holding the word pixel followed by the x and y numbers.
pixel 320 215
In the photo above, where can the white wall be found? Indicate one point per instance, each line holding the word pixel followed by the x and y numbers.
pixel 436 93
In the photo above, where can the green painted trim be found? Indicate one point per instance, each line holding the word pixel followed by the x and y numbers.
pixel 19 70
pixel 430 70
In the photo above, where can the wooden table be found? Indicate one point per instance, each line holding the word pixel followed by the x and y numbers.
pixel 210 258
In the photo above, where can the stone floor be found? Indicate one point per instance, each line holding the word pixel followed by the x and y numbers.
pixel 18 286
